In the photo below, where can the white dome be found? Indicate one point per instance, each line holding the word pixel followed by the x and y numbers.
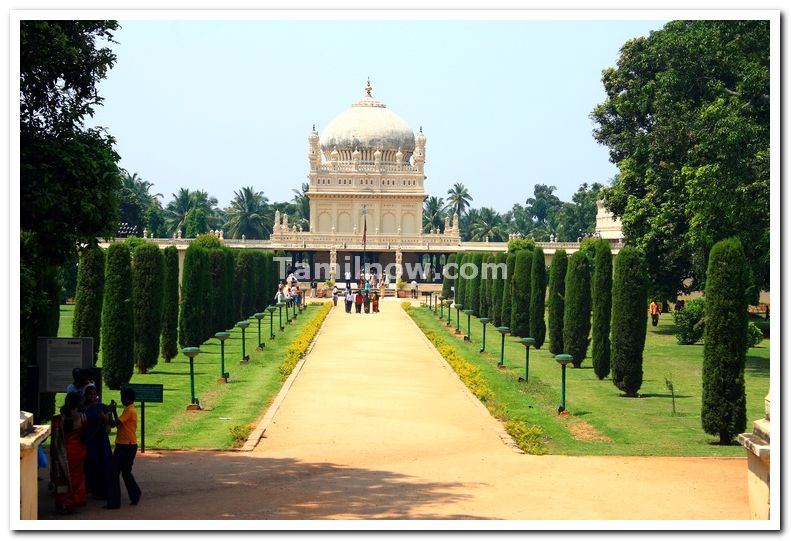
pixel 367 126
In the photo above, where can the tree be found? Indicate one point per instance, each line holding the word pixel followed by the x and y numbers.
pixel 447 281
pixel 459 199
pixel 147 278
pixel 217 292
pixel 473 292
pixel 192 313
pixel 543 204
pixel 90 290
pixel 687 122
pixel 485 299
pixel 488 226
pixel 498 283
pixel 118 321
pixel 245 267
pixel 577 309
pixel 433 214
pixel 249 215
pixel 302 204
pixel 170 303
pixel 724 409
pixel 520 289
pixel 229 289
pixel 557 295
pixel 196 223
pixel 578 218
pixel 629 320
pixel 602 313
pixel 177 211
pixel 466 222
pixel 137 204
pixel 461 282
pixel 538 293
pixel 505 309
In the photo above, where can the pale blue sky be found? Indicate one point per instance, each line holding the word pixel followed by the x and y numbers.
pixel 217 105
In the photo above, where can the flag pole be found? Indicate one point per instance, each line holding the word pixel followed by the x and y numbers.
pixel 365 240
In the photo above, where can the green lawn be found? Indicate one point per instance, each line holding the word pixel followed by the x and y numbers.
pixel 239 402
pixel 601 420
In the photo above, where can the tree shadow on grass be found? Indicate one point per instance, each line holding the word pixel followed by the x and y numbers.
pixel 190 485
pixel 757 366
pixel 663 395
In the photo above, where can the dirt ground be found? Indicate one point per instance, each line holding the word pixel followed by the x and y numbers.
pixel 377 426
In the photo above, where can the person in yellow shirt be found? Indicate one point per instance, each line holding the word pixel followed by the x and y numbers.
pixel 125 451
pixel 655 311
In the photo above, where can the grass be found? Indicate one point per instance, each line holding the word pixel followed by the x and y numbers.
pixel 229 410
pixel 602 421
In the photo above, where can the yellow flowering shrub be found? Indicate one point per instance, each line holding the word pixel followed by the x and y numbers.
pixel 296 350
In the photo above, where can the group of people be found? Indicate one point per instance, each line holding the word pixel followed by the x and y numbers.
pixel 81 459
pixel 288 291
pixel 362 300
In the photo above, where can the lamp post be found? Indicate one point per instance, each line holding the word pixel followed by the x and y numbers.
pixel 271 310
pixel 469 313
pixel 259 316
pixel 288 318
pixel 192 353
pixel 243 325
pixel 448 303
pixel 280 315
pixel 527 342
pixel 222 337
pixel 484 321
pixel 458 307
pixel 503 331
pixel 563 359
pixel 441 302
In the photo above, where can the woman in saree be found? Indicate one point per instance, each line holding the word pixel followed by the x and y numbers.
pixel 97 442
pixel 67 456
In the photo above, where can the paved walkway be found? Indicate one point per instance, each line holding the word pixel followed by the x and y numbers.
pixel 377 426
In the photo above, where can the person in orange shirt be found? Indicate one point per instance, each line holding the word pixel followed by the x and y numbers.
pixel 655 311
pixel 125 451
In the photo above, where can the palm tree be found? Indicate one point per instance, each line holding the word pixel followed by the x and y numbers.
pixel 433 214
pixel 249 215
pixel 459 199
pixel 488 225
pixel 186 200
pixel 139 188
pixel 302 202
pixel 466 222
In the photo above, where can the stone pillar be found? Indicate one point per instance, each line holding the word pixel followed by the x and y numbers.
pixel 757 445
pixel 399 269
pixel 31 436
pixel 333 264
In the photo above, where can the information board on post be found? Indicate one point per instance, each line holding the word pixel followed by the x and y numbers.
pixel 145 392
pixel 57 357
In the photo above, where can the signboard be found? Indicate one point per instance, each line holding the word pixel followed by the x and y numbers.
pixel 57 357
pixel 145 392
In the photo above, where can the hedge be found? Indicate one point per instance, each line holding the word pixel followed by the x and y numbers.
pixel 577 309
pixel 629 319
pixel 447 281
pixel 217 292
pixel 170 303
pixel 724 410
pixel 485 300
pixel 461 282
pixel 505 308
pixel 538 292
pixel 473 292
pixel 520 287
pixel 192 315
pixel 498 282
pixel 117 318
pixel 90 291
pixel 556 301
pixel 297 349
pixel 147 278
pixel 602 309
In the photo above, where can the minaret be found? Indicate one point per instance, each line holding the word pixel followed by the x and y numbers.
pixel 314 150
pixel 420 150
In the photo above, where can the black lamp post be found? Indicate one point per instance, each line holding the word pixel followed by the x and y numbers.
pixel 527 342
pixel 458 307
pixel 503 331
pixel 280 315
pixel 448 303
pixel 192 353
pixel 222 337
pixel 484 321
pixel 271 310
pixel 441 302
pixel 469 313
pixel 563 359
pixel 259 316
pixel 243 325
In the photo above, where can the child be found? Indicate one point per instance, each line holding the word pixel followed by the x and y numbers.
pixel 125 451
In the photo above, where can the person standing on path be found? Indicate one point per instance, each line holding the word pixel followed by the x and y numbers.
pixel 313 286
pixel 375 303
pixel 358 302
pixel 349 300
pixel 125 451
pixel 414 289
pixel 655 311
pixel 335 295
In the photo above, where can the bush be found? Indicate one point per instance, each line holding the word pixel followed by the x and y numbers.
pixel 538 292
pixel 557 294
pixel 192 315
pixel 461 282
pixel 117 318
pixel 690 321
pixel 629 320
pixel 577 309
pixel 497 292
pixel 529 439
pixel 505 309
pixel 602 309
pixel 724 409
pixel 90 290
pixel 240 433
pixel 243 285
pixel 520 288
pixel 207 241
pixel 485 299
pixel 517 245
pixel 147 278
pixel 170 303
pixel 754 335
pixel 447 282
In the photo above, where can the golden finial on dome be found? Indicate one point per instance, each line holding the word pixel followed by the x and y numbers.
pixel 368 87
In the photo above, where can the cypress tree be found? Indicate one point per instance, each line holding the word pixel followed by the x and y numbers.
pixel 520 287
pixel 228 288
pixel 577 310
pixel 473 292
pixel 269 280
pixel 447 281
pixel 90 290
pixel 723 411
pixel 192 313
pixel 486 286
pixel 497 290
pixel 557 295
pixel 170 303
pixel 117 318
pixel 461 282
pixel 505 309
pixel 244 284
pixel 147 277
pixel 602 313
pixel 538 292
pixel 629 320
pixel 216 293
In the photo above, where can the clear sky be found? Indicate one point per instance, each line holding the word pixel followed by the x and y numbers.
pixel 217 105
